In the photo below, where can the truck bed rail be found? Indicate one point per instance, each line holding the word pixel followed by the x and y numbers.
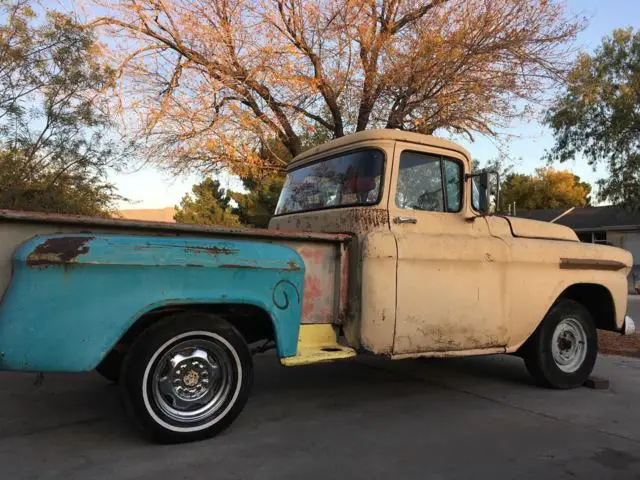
pixel 164 227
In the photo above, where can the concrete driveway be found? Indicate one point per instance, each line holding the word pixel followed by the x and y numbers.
pixel 459 418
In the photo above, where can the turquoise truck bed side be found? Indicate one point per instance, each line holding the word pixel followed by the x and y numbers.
pixel 73 296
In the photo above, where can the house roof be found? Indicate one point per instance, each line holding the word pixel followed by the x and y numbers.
pixel 588 218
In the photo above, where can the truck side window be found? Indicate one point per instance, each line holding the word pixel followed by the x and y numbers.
pixel 453 184
pixel 423 181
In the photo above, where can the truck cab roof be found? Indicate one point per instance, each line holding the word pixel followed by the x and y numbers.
pixel 381 134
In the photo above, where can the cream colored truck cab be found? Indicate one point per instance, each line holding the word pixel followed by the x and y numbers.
pixel 433 275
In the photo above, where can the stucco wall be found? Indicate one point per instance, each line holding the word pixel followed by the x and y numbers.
pixel 627 240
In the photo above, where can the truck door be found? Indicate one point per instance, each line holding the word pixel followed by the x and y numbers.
pixel 451 271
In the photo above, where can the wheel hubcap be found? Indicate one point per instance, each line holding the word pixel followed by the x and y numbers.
pixel 569 345
pixel 192 380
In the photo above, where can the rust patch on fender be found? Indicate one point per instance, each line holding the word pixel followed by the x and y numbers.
pixel 211 250
pixel 313 300
pixel 59 250
pixel 293 266
pixel 311 255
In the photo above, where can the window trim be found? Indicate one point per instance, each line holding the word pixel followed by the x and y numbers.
pixel 445 200
pixel 351 205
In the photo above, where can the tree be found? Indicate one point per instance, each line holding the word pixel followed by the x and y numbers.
pixel 548 188
pixel 211 205
pixel 207 205
pixel 598 116
pixel 501 164
pixel 53 147
pixel 76 192
pixel 255 208
pixel 256 205
pixel 210 80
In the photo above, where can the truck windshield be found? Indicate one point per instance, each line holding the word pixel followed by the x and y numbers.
pixel 351 178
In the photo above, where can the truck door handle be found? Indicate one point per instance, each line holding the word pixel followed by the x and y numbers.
pixel 405 220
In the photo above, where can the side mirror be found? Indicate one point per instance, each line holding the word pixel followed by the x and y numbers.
pixel 485 191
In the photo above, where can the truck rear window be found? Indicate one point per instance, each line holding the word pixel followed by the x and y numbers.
pixel 351 178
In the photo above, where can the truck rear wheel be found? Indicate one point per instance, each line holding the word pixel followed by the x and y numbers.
pixel 186 378
pixel 562 352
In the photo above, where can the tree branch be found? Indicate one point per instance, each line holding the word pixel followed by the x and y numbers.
pixel 414 15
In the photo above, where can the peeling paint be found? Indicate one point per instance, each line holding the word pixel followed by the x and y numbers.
pixel 312 291
pixel 353 220
pixel 293 266
pixel 211 250
pixel 58 250
pixel 321 296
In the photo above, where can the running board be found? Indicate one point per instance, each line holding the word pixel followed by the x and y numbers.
pixel 317 343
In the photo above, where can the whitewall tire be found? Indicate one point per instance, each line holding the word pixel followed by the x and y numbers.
pixel 186 378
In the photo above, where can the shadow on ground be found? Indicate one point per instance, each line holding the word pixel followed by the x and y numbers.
pixel 368 418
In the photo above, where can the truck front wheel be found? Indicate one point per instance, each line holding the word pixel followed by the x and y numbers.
pixel 562 352
pixel 186 378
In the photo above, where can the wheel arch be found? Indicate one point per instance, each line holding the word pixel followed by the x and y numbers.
pixel 597 299
pixel 253 321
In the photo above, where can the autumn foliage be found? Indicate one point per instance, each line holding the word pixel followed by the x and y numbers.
pixel 209 83
pixel 548 188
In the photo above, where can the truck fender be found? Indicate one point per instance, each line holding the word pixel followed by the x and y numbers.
pixel 73 296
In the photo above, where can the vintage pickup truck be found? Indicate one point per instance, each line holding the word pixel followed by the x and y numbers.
pixel 381 243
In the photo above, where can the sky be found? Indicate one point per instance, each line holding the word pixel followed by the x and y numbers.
pixel 147 187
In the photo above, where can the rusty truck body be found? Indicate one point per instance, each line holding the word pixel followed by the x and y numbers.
pixel 382 243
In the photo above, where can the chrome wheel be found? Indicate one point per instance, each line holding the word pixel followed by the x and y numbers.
pixel 193 380
pixel 569 345
pixel 186 378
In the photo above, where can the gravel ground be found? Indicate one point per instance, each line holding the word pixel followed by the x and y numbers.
pixel 616 344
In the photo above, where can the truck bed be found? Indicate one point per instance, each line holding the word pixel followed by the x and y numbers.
pixel 324 254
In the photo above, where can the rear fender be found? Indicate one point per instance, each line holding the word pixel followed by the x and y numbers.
pixel 73 296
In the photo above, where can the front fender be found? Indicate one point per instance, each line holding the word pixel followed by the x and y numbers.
pixel 73 296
